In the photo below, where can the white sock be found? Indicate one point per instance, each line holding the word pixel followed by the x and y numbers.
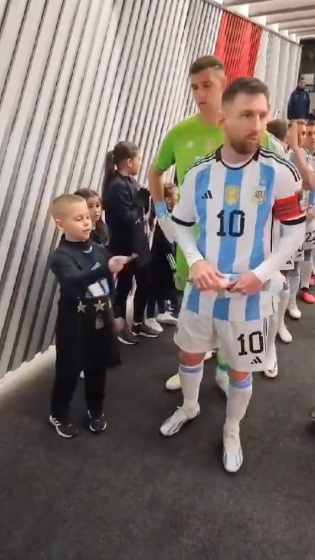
pixel 272 333
pixel 283 304
pixel 294 282
pixel 306 273
pixel 190 379
pixel 240 393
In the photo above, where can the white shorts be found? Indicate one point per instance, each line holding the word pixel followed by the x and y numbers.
pixel 289 265
pixel 244 343
pixel 309 242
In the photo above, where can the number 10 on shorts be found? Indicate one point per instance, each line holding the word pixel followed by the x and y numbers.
pixel 253 343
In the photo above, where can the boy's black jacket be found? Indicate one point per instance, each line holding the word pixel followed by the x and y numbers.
pixel 77 265
pixel 84 325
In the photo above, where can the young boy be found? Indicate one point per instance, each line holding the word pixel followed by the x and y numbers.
pixel 85 338
pixel 163 269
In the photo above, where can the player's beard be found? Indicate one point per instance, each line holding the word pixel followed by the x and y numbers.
pixel 245 147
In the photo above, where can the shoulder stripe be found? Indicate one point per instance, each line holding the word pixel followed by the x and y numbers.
pixel 269 154
pixel 207 158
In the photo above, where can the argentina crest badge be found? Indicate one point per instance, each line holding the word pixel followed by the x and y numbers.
pixel 260 195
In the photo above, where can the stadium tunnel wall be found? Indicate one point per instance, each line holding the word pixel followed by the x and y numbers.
pixel 75 78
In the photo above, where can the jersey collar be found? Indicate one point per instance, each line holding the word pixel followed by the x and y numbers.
pixel 218 157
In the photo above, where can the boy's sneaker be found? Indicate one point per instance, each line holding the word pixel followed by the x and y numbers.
pixel 153 324
pixel 64 428
pixel 127 337
pixel 97 422
pixel 166 318
pixel 144 330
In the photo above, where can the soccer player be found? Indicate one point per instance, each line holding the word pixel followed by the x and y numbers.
pixel 278 129
pixel 189 141
pixel 185 144
pixel 233 194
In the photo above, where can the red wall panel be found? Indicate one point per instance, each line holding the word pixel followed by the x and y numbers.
pixel 238 45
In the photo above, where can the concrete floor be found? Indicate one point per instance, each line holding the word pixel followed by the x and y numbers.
pixel 132 495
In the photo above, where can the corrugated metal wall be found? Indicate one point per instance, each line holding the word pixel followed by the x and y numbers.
pixel 75 77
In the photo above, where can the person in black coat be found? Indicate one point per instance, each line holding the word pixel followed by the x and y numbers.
pixel 84 334
pixel 125 205
pixel 299 102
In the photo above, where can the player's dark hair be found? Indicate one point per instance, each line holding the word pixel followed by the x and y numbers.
pixel 249 86
pixel 279 128
pixel 205 62
pixel 116 158
pixel 311 123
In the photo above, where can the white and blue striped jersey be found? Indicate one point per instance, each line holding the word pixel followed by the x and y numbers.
pixel 235 208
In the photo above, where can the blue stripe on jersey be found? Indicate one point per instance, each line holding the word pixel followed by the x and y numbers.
pixel 266 181
pixel 201 186
pixel 228 244
pixel 252 309
pixel 221 309
pixel 193 300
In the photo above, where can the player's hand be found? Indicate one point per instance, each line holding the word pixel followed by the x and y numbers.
pixel 247 285
pixel 116 264
pixel 309 216
pixel 292 137
pixel 206 277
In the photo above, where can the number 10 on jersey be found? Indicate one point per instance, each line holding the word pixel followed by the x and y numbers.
pixel 231 223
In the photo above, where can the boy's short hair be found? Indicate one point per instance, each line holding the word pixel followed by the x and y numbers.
pixel 60 205
pixel 311 123
pixel 279 128
pixel 205 62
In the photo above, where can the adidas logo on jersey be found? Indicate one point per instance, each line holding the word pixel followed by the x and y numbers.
pixel 207 195
pixel 256 361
